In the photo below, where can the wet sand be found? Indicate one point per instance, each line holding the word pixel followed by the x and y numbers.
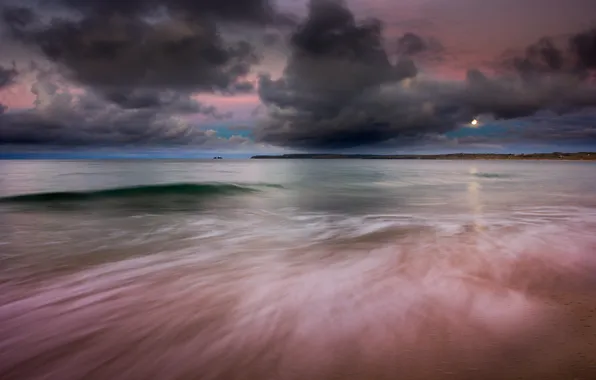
pixel 376 316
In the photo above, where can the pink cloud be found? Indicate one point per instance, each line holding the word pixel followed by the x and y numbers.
pixel 242 106
pixel 17 96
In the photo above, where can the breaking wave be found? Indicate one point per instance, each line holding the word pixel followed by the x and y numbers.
pixel 194 190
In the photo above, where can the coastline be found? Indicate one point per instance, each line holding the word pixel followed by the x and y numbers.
pixel 555 156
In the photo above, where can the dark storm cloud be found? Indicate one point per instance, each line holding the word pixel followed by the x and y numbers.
pixel 575 56
pixel 340 90
pixel 548 75
pixel 61 118
pixel 271 39
pixel 138 63
pixel 91 126
pixel 163 101
pixel 327 93
pixel 136 44
pixel 115 51
pixel 249 11
pixel 7 76
pixel 545 77
pixel 507 98
pixel 18 17
pixel 543 58
pixel 583 45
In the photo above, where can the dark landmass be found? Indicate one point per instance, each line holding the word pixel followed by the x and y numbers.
pixel 580 156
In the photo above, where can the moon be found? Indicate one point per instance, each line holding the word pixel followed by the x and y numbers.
pixel 474 122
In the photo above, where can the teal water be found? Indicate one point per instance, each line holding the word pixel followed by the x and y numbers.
pixel 295 269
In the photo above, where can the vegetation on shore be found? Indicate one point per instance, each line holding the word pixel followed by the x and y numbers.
pixel 579 156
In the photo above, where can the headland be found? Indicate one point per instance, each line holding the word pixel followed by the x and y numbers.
pixel 577 156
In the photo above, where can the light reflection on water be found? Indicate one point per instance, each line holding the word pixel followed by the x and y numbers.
pixel 343 270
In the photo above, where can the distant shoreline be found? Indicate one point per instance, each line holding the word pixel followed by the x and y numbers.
pixel 580 156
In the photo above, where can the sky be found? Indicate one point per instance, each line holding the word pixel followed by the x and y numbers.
pixel 260 76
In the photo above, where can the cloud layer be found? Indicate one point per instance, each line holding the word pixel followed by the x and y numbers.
pixel 62 117
pixel 130 73
pixel 340 90
pixel 139 65
pixel 7 76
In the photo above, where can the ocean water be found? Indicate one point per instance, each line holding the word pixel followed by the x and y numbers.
pixel 297 269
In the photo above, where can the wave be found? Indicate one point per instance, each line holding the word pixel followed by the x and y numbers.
pixel 193 190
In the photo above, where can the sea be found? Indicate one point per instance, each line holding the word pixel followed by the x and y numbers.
pixel 297 269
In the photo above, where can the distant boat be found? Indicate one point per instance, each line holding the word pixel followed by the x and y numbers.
pixel 218 158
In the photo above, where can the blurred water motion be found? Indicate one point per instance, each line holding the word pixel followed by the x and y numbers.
pixel 297 270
